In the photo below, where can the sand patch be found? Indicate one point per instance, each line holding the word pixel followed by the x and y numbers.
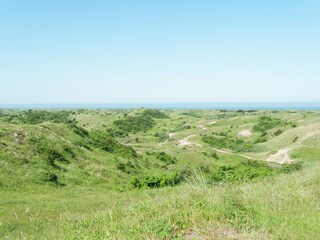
pixel 202 127
pixel 282 156
pixel 171 135
pixel 185 142
pixel 245 133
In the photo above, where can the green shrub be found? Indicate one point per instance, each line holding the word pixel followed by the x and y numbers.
pixel 234 144
pixel 107 143
pixel 164 157
pixel 214 155
pixel 117 133
pixel 50 177
pixel 127 167
pixel 265 123
pixel 157 181
pixel 260 140
pixel 250 171
pixel 242 172
pixel 155 114
pixel 278 132
pixel 135 123
pixel 40 116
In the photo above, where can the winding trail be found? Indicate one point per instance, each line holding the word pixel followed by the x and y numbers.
pixel 232 153
pixel 185 141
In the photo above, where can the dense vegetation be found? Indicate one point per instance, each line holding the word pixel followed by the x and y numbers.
pixel 135 123
pixel 151 174
pixel 38 116
pixel 237 145
pixel 266 123
pixel 249 171
pixel 155 114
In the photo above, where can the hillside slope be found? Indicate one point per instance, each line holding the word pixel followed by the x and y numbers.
pixel 97 174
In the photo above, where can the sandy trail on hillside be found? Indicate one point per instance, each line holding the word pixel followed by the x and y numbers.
pixel 202 127
pixel 185 142
pixel 282 156
pixel 245 133
pixel 171 135
pixel 232 153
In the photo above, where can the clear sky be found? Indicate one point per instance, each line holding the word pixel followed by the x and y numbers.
pixel 117 51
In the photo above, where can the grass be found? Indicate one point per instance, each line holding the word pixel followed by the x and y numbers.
pixel 109 185
pixel 281 208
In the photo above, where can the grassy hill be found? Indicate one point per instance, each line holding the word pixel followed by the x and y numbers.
pixel 149 174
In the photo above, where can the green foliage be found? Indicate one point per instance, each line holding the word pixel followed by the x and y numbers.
pixel 191 114
pixel 249 171
pixel 142 122
pixel 309 154
pixel 117 133
pixel 260 140
pixel 164 157
pixel 158 181
pixel 107 143
pixel 48 152
pixel 265 123
pixel 230 198
pixel 242 172
pixel 237 145
pixel 240 215
pixel 155 114
pixel 50 177
pixel 288 168
pixel 40 116
pixel 278 132
pixel 135 123
pixel 127 167
pixel 214 155
pixel 161 136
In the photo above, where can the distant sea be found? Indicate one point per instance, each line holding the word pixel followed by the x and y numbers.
pixel 207 106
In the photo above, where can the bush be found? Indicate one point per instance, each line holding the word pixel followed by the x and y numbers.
pixel 127 167
pixel 245 171
pixel 234 144
pixel 107 143
pixel 135 124
pixel 265 123
pixel 117 133
pixel 278 132
pixel 155 114
pixel 40 116
pixel 158 181
pixel 250 171
pixel 50 177
pixel 214 155
pixel 260 140
pixel 162 136
pixel 162 156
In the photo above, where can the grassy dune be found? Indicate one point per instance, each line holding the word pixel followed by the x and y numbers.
pixel 174 174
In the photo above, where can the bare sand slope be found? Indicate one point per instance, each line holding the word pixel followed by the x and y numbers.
pixel 185 142
pixel 282 156
pixel 245 133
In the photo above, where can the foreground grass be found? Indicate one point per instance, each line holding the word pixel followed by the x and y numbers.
pixel 284 207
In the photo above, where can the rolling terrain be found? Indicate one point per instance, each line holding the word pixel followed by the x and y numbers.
pixel 159 174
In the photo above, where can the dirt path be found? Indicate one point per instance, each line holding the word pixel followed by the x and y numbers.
pixel 185 142
pixel 170 137
pixel 232 153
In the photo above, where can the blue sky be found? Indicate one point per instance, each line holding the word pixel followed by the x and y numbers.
pixel 164 51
